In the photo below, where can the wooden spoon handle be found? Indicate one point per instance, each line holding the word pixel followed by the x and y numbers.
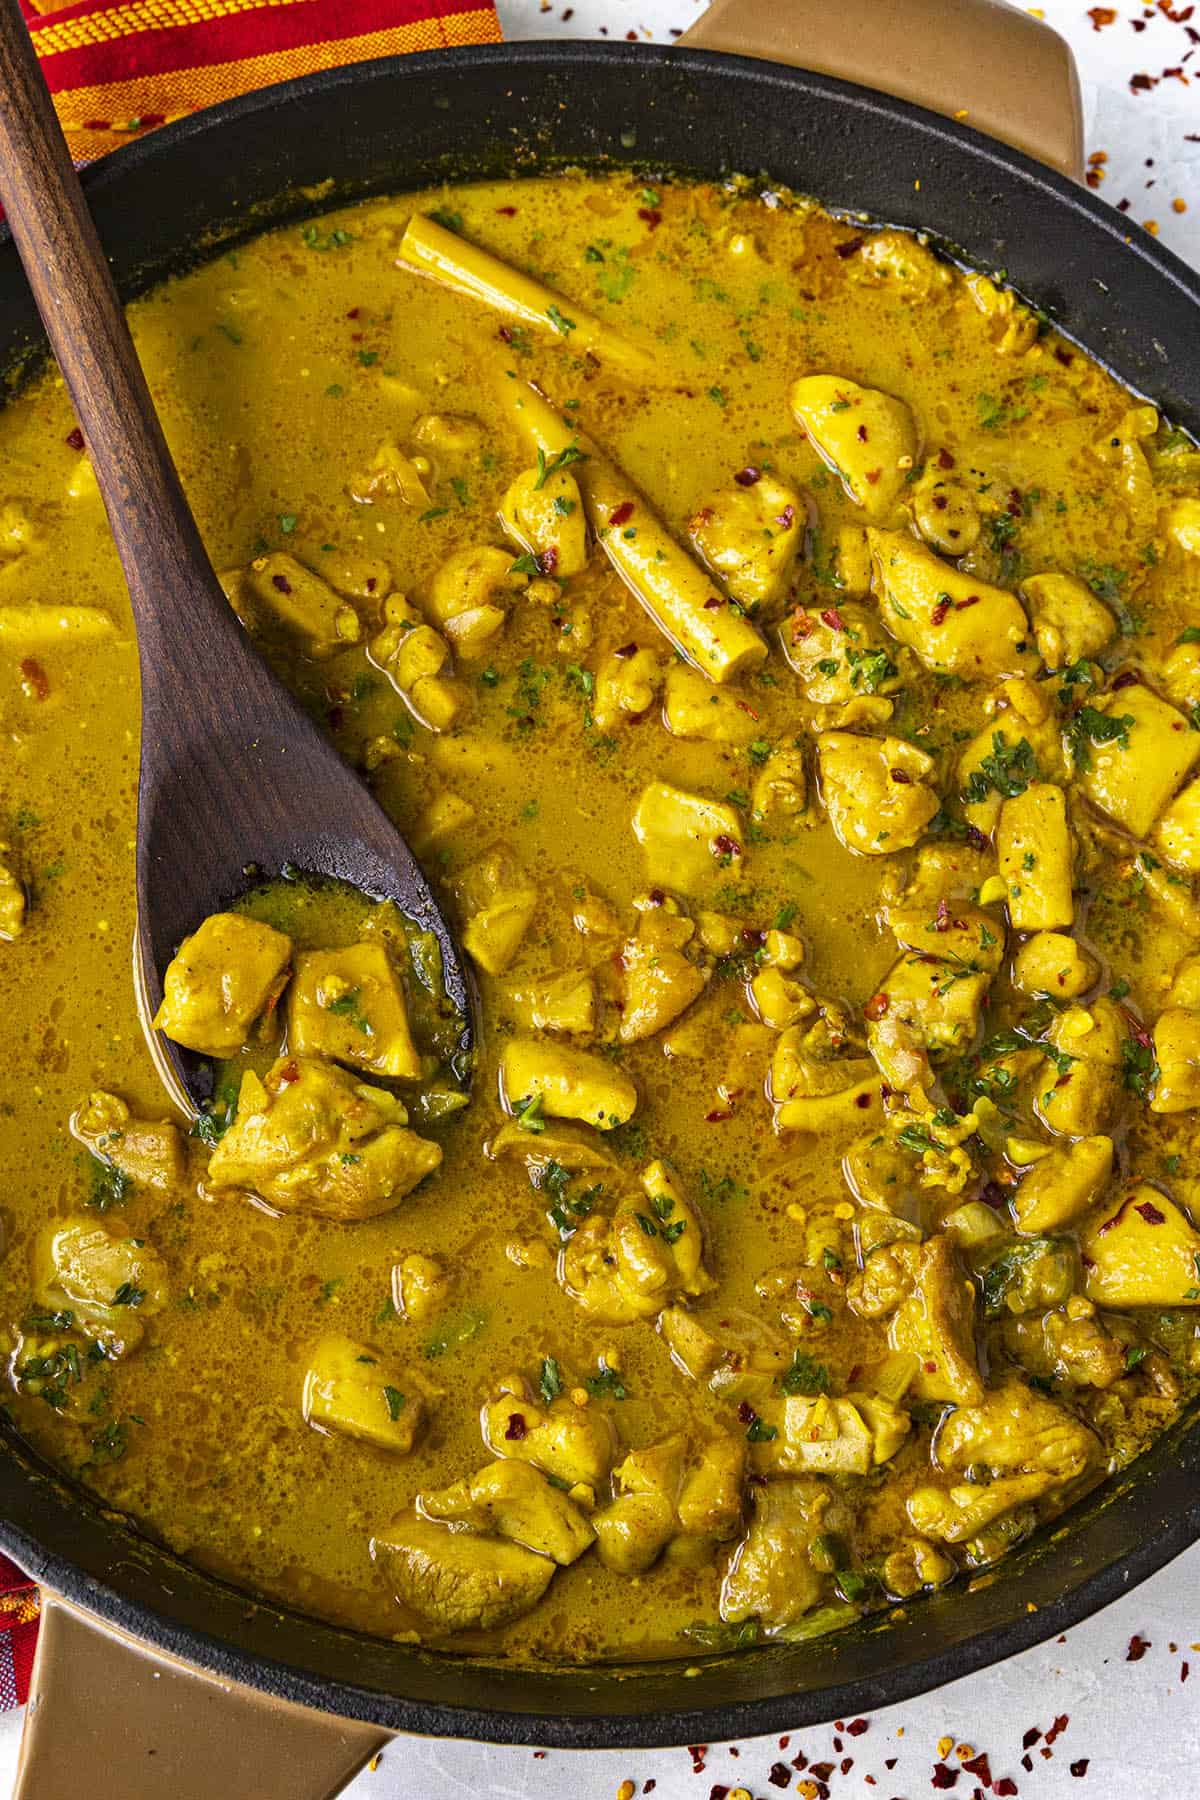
pixel 156 536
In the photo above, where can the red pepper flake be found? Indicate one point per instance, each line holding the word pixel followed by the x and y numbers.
pixel 940 612
pixel 785 1741
pixel 833 618
pixel 1138 1647
pixel 651 215
pixel 620 514
pixel 510 212
pixel 748 476
pixel 1080 1768
pixel 1142 84
pixel 281 584
pixel 1027 1763
pixel 718 1117
pixel 1031 1737
pixel 1184 1671
pixel 714 603
pixel 34 678
pixel 873 475
pixel 1059 1726
pixel 1102 16
pixel 856 1727
pixel 901 776
pixel 945 460
pixel 547 562
pixel 876 1006
pixel 75 439
pixel 516 1428
pixel 716 1792
pixel 779 1775
pixel 698 1752
pixel 1005 1788
pixel 979 1765
pixel 724 845
pixel 649 1786
pixel 787 518
pixel 848 249
pixel 290 1072
pixel 862 434
pixel 821 1771
pixel 944 1776
pixel 800 1762
pixel 1150 1213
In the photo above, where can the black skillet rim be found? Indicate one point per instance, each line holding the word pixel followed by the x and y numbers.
pixel 69 1542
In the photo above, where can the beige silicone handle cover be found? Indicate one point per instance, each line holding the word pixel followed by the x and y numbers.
pixel 980 61
pixel 111 1719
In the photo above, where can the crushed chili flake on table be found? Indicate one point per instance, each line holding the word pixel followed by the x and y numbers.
pixel 1138 1647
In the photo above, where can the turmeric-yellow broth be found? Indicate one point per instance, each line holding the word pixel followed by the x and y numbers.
pixel 783 651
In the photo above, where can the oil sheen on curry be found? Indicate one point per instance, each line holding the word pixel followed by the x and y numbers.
pixel 783 652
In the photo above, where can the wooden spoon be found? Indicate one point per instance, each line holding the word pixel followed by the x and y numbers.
pixel 234 775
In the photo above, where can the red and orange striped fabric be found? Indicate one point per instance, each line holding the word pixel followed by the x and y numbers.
pixel 118 68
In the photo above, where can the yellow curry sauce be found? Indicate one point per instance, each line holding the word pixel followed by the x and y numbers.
pixel 867 969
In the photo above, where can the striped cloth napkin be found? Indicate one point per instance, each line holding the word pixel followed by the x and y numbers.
pixel 118 68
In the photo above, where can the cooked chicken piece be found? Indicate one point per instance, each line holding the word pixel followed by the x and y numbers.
pixel 956 623
pixel 571 1443
pixel 1144 1251
pixel 108 1283
pixel 456 1579
pixel 869 439
pixel 514 1500
pixel 748 535
pixel 875 791
pixel 936 1324
pixel 771 1576
pixel 149 1151
pixel 353 1389
pixel 220 980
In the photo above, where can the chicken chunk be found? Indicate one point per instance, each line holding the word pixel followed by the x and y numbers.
pixel 842 657
pixel 391 478
pixel 1060 1186
pixel 771 1576
pixel 109 1284
pixel 500 902
pixel 1177 1053
pixel 516 1501
pixel 634 1529
pixel 470 594
pixel 1177 833
pixel 565 1002
pixel 694 708
pixel 780 790
pixel 352 1389
pixel 311 1139
pixel 1142 1252
pixel 220 980
pixel 570 1443
pixel 902 264
pixel 349 1005
pixel 688 843
pixel 628 682
pixel 416 660
pixel 868 438
pixel 277 591
pixel 542 510
pixel 748 535
pixel 1015 1430
pixel 1033 848
pixel 819 1435
pixel 561 1082
pixel 149 1151
pixel 957 624
pixel 710 1500
pixel 456 1579
pixel 875 791
pixel 658 983
pixel 1080 1088
pixel 837 1096
pixel 1148 749
pixel 13 900
pixel 1070 624
pixel 421 1286
pixel 1050 963
pixel 640 1258
pixel 946 512
pixel 936 1324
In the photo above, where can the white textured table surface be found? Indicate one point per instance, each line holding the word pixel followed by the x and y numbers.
pixel 1132 1728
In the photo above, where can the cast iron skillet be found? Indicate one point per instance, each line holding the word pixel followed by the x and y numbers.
pixel 193 187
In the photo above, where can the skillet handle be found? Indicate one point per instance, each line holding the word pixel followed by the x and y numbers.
pixel 979 61
pixel 109 1717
